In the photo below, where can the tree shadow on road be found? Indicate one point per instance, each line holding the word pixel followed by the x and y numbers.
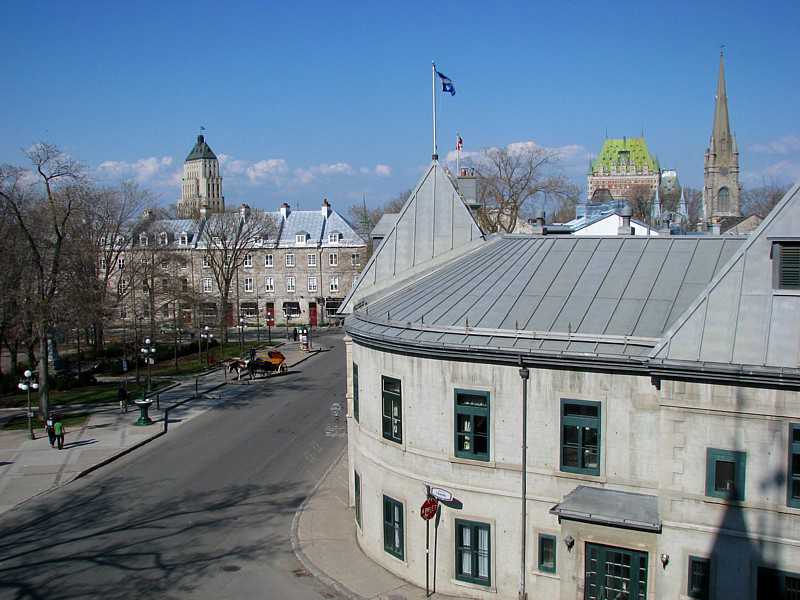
pixel 95 542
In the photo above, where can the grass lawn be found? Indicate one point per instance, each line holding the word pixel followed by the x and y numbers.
pixel 100 393
pixel 71 422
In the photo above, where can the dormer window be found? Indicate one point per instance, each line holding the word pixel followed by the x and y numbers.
pixel 216 240
pixel 300 238
pixel 184 238
pixel 333 238
pixel 143 239
pixel 163 238
pixel 786 265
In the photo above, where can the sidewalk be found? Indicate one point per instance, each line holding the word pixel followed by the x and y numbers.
pixel 31 467
pixel 324 539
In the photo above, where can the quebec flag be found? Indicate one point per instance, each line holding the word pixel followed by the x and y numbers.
pixel 447 84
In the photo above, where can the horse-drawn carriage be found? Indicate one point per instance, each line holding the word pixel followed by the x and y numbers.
pixel 263 365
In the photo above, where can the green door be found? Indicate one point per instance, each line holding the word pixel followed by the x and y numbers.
pixel 615 573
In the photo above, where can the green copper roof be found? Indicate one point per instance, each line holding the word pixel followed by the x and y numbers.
pixel 201 150
pixel 631 151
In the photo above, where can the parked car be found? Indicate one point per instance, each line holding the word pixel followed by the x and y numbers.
pixel 169 329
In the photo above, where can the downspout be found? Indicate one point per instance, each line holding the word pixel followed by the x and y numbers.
pixel 523 373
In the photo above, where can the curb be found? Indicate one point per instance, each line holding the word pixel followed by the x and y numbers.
pixel 309 566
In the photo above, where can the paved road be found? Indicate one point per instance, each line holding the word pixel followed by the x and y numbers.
pixel 203 512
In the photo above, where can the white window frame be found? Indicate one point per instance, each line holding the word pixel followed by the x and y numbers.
pixel 355 259
pixel 184 239
pixel 289 260
pixel 143 240
pixel 269 284
pixel 248 285
pixel 300 238
pixel 290 285
pixel 163 238
pixel 268 261
pixel 121 263
pixel 334 284
pixel 207 261
pixel 333 238
pixel 333 259
pixel 312 284
pixel 312 260
pixel 248 261
pixel 208 286
pixel 102 264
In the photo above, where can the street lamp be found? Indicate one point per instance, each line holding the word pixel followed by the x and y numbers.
pixel 207 335
pixel 26 383
pixel 150 348
pixel 241 335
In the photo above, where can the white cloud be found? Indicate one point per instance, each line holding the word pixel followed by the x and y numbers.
pixel 364 170
pixel 570 155
pixel 142 170
pixel 268 169
pixel 304 175
pixel 784 170
pixel 383 170
pixel 784 145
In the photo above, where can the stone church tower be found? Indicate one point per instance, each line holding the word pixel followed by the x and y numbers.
pixel 202 185
pixel 721 177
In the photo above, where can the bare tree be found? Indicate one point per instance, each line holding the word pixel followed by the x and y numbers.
pixel 761 200
pixel 514 181
pixel 694 206
pixel 227 237
pixel 44 202
pixel 640 201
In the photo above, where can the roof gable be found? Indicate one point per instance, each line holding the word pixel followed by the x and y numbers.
pixel 433 222
pixel 740 318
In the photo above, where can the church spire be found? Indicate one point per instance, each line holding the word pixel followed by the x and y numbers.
pixel 721 134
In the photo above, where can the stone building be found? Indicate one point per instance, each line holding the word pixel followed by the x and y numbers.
pixel 622 166
pixel 299 273
pixel 602 417
pixel 721 172
pixel 201 184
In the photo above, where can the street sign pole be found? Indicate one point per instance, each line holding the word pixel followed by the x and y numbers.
pixel 427 556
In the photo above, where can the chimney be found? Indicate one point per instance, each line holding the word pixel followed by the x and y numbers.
pixel 716 227
pixel 468 186
pixel 537 225
pixel 626 229
pixel 326 208
pixel 244 212
pixel 204 212
pixel 285 211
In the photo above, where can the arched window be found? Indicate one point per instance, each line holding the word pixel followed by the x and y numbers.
pixel 724 200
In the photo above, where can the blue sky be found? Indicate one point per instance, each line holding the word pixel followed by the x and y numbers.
pixel 310 100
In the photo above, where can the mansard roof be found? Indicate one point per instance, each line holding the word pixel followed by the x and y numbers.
pixel 201 150
pixel 624 151
pixel 316 226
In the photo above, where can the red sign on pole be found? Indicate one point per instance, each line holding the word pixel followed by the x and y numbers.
pixel 428 509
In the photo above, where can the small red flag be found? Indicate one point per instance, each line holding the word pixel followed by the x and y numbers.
pixel 460 144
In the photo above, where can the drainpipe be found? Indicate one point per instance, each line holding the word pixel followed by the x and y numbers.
pixel 523 373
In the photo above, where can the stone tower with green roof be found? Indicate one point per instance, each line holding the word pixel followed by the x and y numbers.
pixel 721 173
pixel 623 165
pixel 202 184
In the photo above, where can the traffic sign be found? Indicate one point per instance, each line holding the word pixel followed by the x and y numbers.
pixel 428 509
pixel 441 494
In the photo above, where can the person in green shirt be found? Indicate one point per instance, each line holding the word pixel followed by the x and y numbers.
pixel 60 431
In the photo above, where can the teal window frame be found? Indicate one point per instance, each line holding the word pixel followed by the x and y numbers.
pixel 547 547
pixel 793 468
pixel 699 582
pixel 472 425
pixel 469 552
pixel 772 584
pixel 577 433
pixel 717 459
pixel 392 410
pixel 357 490
pixel 355 392
pixel 393 542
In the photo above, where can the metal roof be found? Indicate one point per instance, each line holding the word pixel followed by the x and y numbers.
pixel 596 295
pixel 610 507
pixel 317 226
pixel 201 150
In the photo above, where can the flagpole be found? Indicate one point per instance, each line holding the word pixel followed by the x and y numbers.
pixel 458 154
pixel 433 91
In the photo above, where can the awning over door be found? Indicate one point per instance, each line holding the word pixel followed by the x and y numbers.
pixel 610 507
